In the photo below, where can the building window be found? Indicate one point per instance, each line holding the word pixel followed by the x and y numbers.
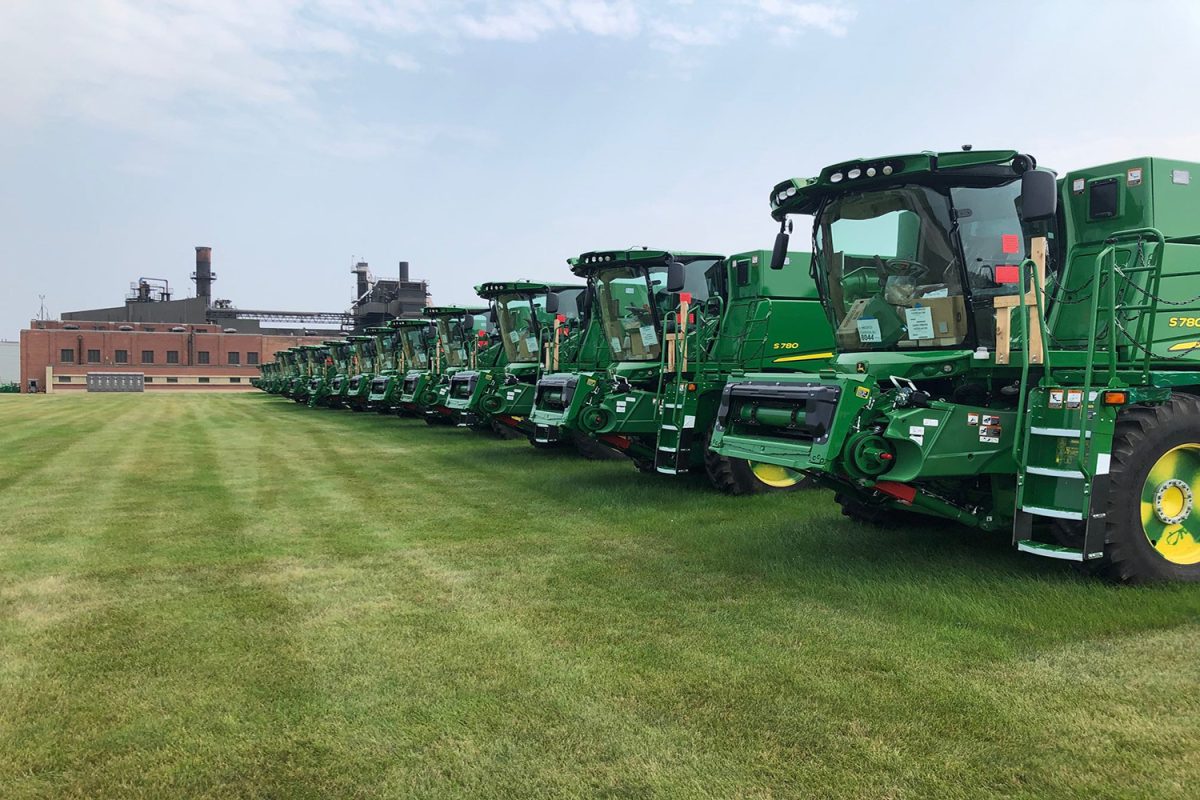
pixel 93 356
pixel 235 380
pixel 235 358
pixel 147 356
pixel 64 378
pixel 201 356
pixel 203 380
pixel 148 379
pixel 67 356
pixel 251 358
pixel 172 380
pixel 121 357
pixel 147 329
pixel 172 356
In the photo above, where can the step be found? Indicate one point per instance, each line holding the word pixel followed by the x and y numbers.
pixel 1053 472
pixel 1059 513
pixel 1049 550
pixel 1068 433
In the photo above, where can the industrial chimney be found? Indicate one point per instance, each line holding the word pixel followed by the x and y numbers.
pixel 403 271
pixel 364 285
pixel 204 276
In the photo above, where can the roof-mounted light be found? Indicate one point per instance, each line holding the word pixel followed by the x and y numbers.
pixel 870 172
pixel 887 169
pixel 854 173
pixel 836 177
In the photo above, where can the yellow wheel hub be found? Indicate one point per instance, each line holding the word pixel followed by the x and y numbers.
pixel 775 476
pixel 1169 518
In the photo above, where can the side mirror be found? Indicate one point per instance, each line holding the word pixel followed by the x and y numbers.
pixel 1039 195
pixel 780 253
pixel 676 277
pixel 551 303
pixel 492 316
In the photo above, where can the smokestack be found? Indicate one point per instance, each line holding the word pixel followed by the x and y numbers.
pixel 360 270
pixel 403 271
pixel 204 276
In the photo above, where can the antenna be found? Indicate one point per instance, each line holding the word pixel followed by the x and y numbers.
pixel 42 312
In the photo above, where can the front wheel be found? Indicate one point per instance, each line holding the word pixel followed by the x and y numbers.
pixel 736 476
pixel 1152 522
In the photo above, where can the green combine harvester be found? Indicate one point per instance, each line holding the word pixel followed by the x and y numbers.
pixel 322 369
pixel 720 318
pixel 422 360
pixel 1013 353
pixel 533 320
pixel 328 387
pixel 389 366
pixel 364 350
pixel 628 302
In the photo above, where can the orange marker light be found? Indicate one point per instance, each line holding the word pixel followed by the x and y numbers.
pixel 691 387
pixel 1112 398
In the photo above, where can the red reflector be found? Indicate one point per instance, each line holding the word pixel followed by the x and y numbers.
pixel 561 318
pixel 901 491
pixel 1007 273
pixel 1116 398
pixel 685 297
pixel 1010 243
pixel 691 319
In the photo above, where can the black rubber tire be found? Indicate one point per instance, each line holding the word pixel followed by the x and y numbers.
pixel 1143 434
pixel 592 450
pixel 505 431
pixel 734 476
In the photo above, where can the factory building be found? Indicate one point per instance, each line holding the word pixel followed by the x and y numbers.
pixel 197 342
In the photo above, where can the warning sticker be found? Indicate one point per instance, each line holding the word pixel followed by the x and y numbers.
pixel 862 392
pixel 531 344
pixel 989 434
pixel 1010 243
pixel 1056 398
pixel 1074 398
pixel 868 331
pixel 649 335
pixel 988 419
pixel 972 418
pixel 920 322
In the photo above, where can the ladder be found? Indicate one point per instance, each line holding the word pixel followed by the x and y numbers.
pixel 1063 453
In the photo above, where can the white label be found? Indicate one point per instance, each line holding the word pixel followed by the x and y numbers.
pixel 629 290
pixel 462 354
pixel 1078 185
pixel 620 406
pixel 930 423
pixel 531 344
pixel 916 430
pixel 1181 176
pixel 920 322
pixel 513 336
pixel 868 331
pixel 616 344
pixel 1134 176
pixel 689 421
pixel 649 335
pixel 511 395
pixel 937 293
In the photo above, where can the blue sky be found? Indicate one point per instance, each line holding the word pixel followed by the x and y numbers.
pixel 490 140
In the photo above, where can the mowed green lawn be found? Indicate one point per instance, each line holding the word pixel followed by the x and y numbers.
pixel 235 596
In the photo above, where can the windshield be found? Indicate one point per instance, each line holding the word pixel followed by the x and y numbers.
pixel 632 301
pixel 890 270
pixel 519 326
pixel 413 342
pixel 452 331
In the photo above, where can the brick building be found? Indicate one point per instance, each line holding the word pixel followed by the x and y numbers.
pixel 59 355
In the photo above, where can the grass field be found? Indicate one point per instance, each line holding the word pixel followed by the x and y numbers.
pixel 233 596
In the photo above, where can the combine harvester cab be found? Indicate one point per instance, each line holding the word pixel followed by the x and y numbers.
pixel 311 360
pixel 722 318
pixel 423 360
pixel 1013 354
pixel 534 320
pixel 389 366
pixel 362 370
pixel 465 343
pixel 628 301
